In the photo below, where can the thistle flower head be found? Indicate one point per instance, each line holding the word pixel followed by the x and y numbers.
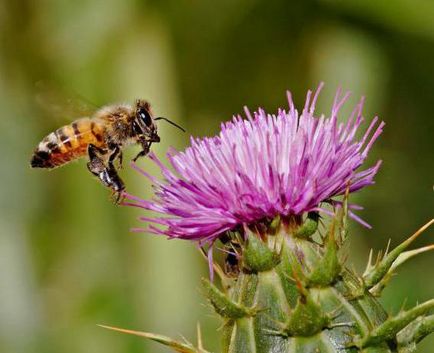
pixel 285 164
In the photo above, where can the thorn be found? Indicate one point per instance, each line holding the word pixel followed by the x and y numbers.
pixel 420 231
pixel 300 287
pixel 275 332
pixel 279 324
pixel 184 339
pixel 379 258
pixel 199 337
pixel 235 250
pixel 387 247
pixel 369 265
pixel 335 313
pixel 344 256
pixel 137 333
pixel 353 268
pixel 341 324
pixel 167 341
pixel 354 283
pixel 256 310
pixel 289 277
pixel 344 216
pixel 225 280
pixel 404 303
pixel 298 275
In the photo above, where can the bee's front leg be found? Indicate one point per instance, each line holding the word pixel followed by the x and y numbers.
pixel 146 145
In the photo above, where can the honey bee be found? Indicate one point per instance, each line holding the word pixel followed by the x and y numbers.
pixel 102 138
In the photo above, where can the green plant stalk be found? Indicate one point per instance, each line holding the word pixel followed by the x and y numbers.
pixel 298 296
pixel 293 293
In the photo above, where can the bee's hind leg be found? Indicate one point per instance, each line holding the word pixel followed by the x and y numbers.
pixel 106 174
pixel 115 183
pixel 96 164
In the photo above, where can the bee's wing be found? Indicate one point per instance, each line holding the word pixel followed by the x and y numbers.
pixel 60 104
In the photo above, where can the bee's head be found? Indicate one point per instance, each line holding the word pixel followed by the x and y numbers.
pixel 144 124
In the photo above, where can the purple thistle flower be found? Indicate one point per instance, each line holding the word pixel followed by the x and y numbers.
pixel 260 167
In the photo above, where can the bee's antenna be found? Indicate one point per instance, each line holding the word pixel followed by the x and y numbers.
pixel 170 122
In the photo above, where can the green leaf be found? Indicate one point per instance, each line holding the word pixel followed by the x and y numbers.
pixel 223 305
pixel 307 318
pixel 374 274
pixel 390 328
pixel 329 267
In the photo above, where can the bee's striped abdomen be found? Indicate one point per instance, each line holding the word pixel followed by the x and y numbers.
pixel 68 143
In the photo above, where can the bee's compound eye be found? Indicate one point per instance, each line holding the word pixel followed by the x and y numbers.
pixel 145 116
pixel 137 128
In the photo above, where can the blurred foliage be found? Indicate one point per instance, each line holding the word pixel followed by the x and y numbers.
pixel 67 259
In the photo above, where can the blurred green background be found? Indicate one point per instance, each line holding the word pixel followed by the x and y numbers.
pixel 67 258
